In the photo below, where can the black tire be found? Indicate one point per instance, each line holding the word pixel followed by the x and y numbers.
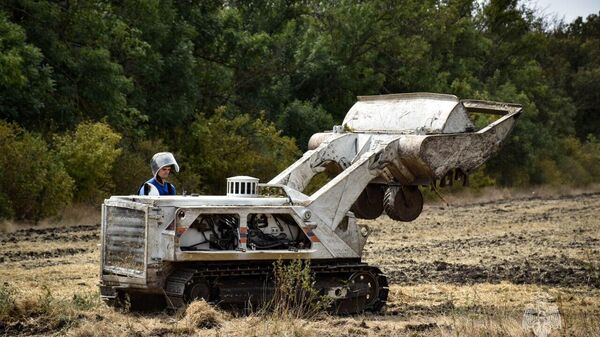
pixel 403 203
pixel 197 289
pixel 369 204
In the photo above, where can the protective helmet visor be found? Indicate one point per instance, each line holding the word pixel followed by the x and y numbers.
pixel 161 160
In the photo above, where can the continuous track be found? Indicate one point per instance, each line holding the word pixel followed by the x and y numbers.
pixel 365 288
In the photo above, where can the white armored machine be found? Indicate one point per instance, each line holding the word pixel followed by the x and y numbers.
pixel 222 248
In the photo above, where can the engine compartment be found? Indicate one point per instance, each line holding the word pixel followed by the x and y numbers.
pixel 272 231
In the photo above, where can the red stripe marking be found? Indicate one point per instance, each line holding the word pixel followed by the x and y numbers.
pixel 311 235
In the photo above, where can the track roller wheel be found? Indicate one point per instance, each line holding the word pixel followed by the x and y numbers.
pixel 368 292
pixel 196 289
pixel 368 282
pixel 403 203
pixel 369 204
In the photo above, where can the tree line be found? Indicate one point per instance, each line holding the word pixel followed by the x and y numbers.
pixel 90 89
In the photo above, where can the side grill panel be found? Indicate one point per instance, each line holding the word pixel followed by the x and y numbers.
pixel 125 241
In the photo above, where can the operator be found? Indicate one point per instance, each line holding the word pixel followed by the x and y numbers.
pixel 162 164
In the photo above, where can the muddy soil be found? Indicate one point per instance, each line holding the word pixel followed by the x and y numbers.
pixel 24 244
pixel 543 241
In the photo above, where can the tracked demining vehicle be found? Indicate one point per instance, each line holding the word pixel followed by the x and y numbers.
pixel 222 248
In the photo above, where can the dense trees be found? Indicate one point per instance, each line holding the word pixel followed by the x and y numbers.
pixel 227 84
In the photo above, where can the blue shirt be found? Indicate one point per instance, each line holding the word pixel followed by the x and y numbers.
pixel 163 189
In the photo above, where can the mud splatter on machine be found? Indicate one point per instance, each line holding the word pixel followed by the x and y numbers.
pixel 222 248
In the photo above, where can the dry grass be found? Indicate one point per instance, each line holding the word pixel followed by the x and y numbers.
pixel 74 215
pixel 485 310
pixel 6 226
pixel 39 311
pixel 78 214
pixel 493 194
pixel 491 309
pixel 201 315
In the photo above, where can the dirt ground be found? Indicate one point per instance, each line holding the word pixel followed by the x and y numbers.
pixel 471 268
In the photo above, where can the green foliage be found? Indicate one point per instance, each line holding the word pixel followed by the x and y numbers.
pixel 73 41
pixel 573 164
pixel 221 147
pixel 132 167
pixel 480 179
pixel 301 120
pixel 295 293
pixel 86 301
pixel 35 181
pixel 25 82
pixel 6 209
pixel 586 86
pixel 89 153
pixel 574 63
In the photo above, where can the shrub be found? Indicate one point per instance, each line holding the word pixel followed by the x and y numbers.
pixel 295 293
pixel 132 166
pixel 220 147
pixel 35 183
pixel 573 163
pixel 86 301
pixel 88 154
pixel 580 161
pixel 479 179
pixel 591 157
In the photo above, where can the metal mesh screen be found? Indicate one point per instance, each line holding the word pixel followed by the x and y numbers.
pixel 125 240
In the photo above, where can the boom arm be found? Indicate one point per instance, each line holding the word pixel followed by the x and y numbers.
pixel 339 149
pixel 334 199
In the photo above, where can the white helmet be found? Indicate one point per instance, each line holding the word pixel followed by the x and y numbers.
pixel 161 160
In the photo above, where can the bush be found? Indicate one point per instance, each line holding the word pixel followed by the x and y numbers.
pixel 132 166
pixel 479 179
pixel 35 183
pixel 573 163
pixel 295 294
pixel 88 154
pixel 220 147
